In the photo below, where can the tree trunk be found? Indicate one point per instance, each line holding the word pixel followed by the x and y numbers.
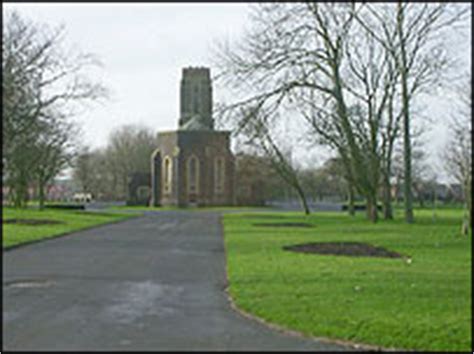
pixel 406 121
pixel 467 218
pixel 15 193
pixel 372 213
pixel 19 190
pixel 469 199
pixel 465 223
pixel 26 197
pixel 350 206
pixel 434 205
pixel 407 157
pixel 419 195
pixel 41 195
pixel 397 190
pixel 303 200
pixel 387 199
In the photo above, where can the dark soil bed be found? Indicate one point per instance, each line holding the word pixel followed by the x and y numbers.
pixel 354 249
pixel 32 222
pixel 66 206
pixel 263 216
pixel 283 224
pixel 359 207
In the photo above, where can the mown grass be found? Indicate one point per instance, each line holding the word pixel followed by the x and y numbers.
pixel 422 305
pixel 73 220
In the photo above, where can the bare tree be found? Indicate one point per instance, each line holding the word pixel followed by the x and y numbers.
pixel 458 151
pixel 306 56
pixel 42 87
pixel 288 50
pixel 83 171
pixel 326 181
pixel 102 181
pixel 412 35
pixel 128 151
pixel 53 151
pixel 92 172
pixel 259 135
pixel 106 172
pixel 422 175
pixel 351 70
pixel 257 182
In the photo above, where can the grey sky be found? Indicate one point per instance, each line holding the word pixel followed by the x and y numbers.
pixel 144 46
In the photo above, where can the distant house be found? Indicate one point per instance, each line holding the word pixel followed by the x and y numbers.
pixel 82 197
pixel 62 190
pixel 57 190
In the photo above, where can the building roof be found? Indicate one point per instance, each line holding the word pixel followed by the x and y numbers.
pixel 195 123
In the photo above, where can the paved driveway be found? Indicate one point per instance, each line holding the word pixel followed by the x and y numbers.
pixel 150 283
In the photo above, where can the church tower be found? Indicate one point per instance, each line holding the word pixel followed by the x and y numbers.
pixel 194 165
pixel 196 97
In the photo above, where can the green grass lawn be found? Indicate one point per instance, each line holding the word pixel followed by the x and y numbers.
pixel 423 305
pixel 74 220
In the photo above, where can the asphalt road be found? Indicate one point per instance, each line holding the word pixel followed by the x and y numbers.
pixel 150 283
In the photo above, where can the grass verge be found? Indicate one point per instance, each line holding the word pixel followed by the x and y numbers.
pixel 72 220
pixel 421 305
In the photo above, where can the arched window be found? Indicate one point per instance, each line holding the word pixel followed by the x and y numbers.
pixel 219 175
pixel 168 174
pixel 193 174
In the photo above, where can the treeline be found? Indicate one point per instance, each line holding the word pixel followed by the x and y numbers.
pixel 105 172
pixel 258 183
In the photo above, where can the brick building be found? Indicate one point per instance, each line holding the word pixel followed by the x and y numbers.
pixel 194 164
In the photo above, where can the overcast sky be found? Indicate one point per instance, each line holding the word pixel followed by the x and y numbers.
pixel 144 47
